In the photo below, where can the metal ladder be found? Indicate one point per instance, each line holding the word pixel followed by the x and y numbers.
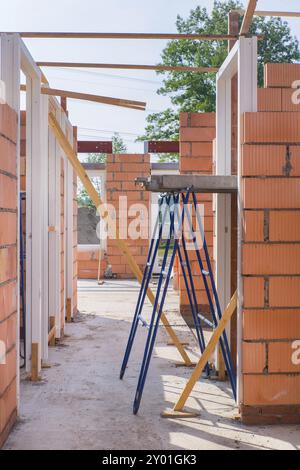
pixel 169 207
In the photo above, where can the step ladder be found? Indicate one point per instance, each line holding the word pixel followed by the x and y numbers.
pixel 174 208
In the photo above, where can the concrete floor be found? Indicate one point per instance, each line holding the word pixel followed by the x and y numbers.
pixel 81 403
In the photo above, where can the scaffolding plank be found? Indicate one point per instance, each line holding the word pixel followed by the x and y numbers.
pixel 199 183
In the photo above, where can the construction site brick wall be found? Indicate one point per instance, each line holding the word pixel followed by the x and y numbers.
pixel 121 171
pixel 270 166
pixel 8 270
pixel 197 132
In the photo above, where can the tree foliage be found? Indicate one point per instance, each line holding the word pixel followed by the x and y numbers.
pixel 192 92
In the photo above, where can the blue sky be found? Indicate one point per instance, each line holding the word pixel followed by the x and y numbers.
pixel 94 120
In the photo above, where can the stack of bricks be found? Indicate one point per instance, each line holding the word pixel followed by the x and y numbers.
pixel 121 170
pixel 8 269
pixel 271 252
pixel 197 132
pixel 88 263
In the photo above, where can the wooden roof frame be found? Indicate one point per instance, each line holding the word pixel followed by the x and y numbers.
pixel 92 65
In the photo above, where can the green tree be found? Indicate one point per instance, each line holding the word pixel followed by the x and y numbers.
pixel 83 198
pixel 192 92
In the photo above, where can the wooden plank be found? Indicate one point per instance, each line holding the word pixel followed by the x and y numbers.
pixel 94 146
pixel 121 244
pixel 161 146
pixel 249 12
pixel 199 183
pixel 69 310
pixel 35 367
pixel 140 105
pixel 165 68
pixel 206 354
pixel 287 14
pixel 166 36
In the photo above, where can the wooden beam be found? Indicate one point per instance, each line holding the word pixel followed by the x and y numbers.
pixel 161 146
pixel 140 105
pixel 165 68
pixel 178 408
pixel 249 12
pixel 121 244
pixel 94 146
pixel 166 36
pixel 69 311
pixel 287 14
pixel 200 183
pixel 35 362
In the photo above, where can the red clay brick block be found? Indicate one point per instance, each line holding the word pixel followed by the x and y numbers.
pixel 253 226
pixel 284 357
pixel 8 370
pixel 271 193
pixel 265 259
pixel 8 330
pixel 197 134
pixel 284 292
pixel 284 226
pixel 253 357
pixel 8 122
pixel 269 99
pixel 8 404
pixel 271 324
pixel 8 156
pixel 201 149
pixel 196 164
pixel 202 119
pixel 281 75
pixel 271 127
pixel 8 261
pixel 8 192
pixel 270 160
pixel 8 228
pixel 290 98
pixel 8 300
pixel 253 288
pixel 271 390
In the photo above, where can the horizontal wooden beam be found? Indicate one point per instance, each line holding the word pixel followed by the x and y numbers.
pixel 161 146
pixel 140 105
pixel 64 35
pixel 164 68
pixel 94 146
pixel 199 183
pixel 287 14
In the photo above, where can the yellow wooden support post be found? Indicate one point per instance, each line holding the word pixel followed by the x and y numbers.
pixel 52 332
pixel 177 411
pixel 69 311
pixel 34 362
pixel 121 244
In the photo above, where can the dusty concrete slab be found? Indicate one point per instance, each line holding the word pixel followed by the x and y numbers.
pixel 82 404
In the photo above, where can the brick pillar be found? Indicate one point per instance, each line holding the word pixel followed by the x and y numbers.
pixel 121 171
pixel 197 132
pixel 271 256
pixel 8 270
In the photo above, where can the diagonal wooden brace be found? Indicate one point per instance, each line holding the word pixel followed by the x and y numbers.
pixel 121 244
pixel 178 411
